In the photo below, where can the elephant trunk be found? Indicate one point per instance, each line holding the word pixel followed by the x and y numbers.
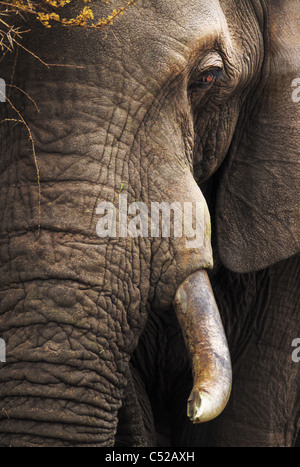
pixel 204 335
pixel 65 371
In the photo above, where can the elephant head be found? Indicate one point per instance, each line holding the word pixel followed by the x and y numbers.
pixel 150 110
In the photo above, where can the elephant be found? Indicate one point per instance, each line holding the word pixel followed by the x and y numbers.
pixel 140 340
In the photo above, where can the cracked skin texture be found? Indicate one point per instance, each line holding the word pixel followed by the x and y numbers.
pixel 86 319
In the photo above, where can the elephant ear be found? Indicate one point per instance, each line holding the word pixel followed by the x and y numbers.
pixel 258 201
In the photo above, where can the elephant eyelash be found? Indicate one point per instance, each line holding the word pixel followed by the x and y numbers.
pixel 207 78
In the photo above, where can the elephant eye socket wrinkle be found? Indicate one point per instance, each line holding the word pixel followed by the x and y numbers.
pixel 207 79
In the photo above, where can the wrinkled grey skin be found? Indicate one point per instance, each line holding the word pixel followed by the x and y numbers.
pixel 84 365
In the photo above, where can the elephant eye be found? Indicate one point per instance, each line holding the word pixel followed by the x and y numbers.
pixel 207 78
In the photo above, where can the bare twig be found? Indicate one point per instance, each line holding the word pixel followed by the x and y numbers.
pixel 21 120
pixel 27 95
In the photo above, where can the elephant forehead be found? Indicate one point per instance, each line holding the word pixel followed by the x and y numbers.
pixel 183 15
pixel 180 25
pixel 161 34
pixel 151 43
pixel 183 21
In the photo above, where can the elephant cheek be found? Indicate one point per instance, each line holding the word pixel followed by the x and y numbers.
pixel 205 339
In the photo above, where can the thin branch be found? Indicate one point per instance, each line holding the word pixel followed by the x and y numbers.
pixel 31 53
pixel 27 95
pixel 34 157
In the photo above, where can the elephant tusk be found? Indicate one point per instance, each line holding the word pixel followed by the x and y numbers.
pixel 204 335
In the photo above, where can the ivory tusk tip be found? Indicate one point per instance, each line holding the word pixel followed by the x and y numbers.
pixel 202 408
pixel 194 406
